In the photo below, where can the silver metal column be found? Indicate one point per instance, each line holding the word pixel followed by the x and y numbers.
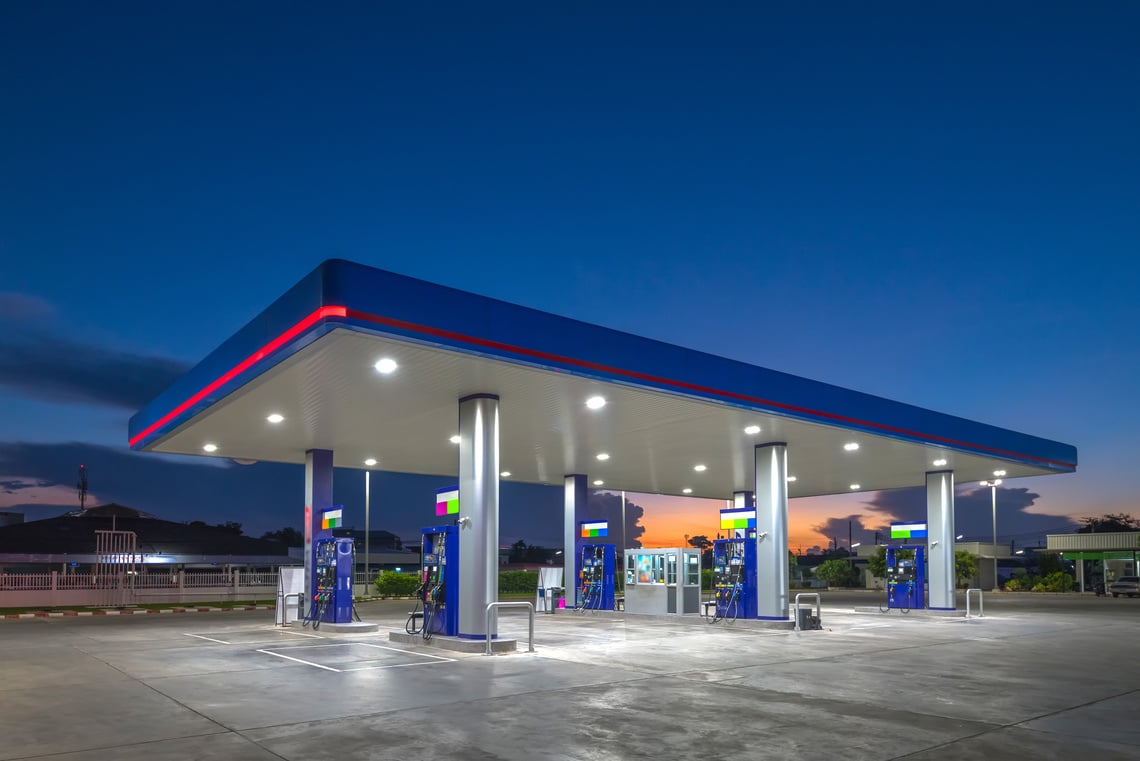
pixel 772 531
pixel 318 497
pixel 743 499
pixel 478 513
pixel 940 539
pixel 573 510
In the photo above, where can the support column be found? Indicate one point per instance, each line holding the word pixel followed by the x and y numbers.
pixel 574 501
pixel 940 539
pixel 318 497
pixel 743 499
pixel 478 513
pixel 772 531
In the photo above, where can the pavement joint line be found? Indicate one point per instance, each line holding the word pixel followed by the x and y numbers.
pixel 55 754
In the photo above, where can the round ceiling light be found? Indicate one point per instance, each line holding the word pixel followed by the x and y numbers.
pixel 210 447
pixel 855 487
pixel 851 446
pixel 454 439
pixel 599 482
pixel 505 474
pixel 700 468
pixel 386 366
pixel 603 456
pixel 686 491
pixel 752 430
pixel 999 472
pixel 939 463
pixel 370 461
pixel 791 479
pixel 596 402
pixel 275 418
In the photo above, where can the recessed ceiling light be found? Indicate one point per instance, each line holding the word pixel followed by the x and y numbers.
pixel 505 474
pixel 211 447
pixel 851 446
pixel 386 365
pixel 275 418
pixel 855 487
pixel 370 461
pixel 939 463
pixel 686 491
pixel 454 439
pixel 999 472
pixel 603 456
pixel 700 468
pixel 599 482
pixel 752 430
pixel 596 402
pixel 791 478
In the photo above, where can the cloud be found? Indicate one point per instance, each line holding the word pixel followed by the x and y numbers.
pixel 23 306
pixel 973 513
pixel 262 497
pixel 837 528
pixel 13 485
pixel 40 364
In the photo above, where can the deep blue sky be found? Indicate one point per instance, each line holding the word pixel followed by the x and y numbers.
pixel 938 205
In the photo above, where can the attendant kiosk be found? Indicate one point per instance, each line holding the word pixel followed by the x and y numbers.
pixel 663 581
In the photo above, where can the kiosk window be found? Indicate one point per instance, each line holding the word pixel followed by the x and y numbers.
pixel 692 570
pixel 671 568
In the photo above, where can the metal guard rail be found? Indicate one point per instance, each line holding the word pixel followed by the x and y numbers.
pixel 981 604
pixel 487 621
pixel 818 610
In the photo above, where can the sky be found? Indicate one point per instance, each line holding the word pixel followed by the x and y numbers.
pixel 935 204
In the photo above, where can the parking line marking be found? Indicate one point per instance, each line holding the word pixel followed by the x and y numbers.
pixel 298 660
pixel 297 634
pixel 211 639
pixel 395 666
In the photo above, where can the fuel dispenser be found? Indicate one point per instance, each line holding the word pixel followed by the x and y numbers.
pixel 333 563
pixel 906 577
pixel 439 587
pixel 734 578
pixel 596 577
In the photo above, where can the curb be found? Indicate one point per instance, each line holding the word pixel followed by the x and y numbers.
pixel 129 612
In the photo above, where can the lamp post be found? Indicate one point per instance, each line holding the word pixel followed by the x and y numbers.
pixel 369 463
pixel 994 483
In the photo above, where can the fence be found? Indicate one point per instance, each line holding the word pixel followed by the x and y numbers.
pixel 55 588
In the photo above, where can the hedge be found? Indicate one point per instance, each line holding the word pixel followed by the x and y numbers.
pixel 392 584
pixel 518 581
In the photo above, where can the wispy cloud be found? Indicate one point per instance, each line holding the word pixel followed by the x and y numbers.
pixel 39 362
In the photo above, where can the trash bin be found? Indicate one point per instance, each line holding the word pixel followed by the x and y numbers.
pixel 553 598
pixel 806 620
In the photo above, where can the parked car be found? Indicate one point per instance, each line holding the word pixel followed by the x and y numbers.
pixel 1125 585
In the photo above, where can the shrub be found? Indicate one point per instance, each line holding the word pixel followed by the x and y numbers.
pixel 1014 585
pixel 518 581
pixel 392 584
pixel 1059 581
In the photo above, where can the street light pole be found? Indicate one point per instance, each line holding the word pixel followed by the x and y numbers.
pixel 993 484
pixel 367 525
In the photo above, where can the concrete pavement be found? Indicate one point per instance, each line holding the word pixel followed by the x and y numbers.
pixel 1045 678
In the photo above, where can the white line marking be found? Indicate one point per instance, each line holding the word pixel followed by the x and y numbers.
pixel 298 660
pixel 211 639
pixel 297 634
pixel 397 666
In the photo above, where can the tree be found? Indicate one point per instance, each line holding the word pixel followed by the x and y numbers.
pixel 877 563
pixel 1110 522
pixel 835 572
pixel 232 527
pixel 518 552
pixel 965 565
pixel 288 536
pixel 700 541
pixel 1048 563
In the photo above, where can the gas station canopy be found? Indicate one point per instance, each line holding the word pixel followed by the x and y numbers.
pixel 371 365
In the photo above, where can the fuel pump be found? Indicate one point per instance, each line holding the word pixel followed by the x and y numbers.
pixel 906 577
pixel 596 577
pixel 333 564
pixel 734 579
pixel 439 583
